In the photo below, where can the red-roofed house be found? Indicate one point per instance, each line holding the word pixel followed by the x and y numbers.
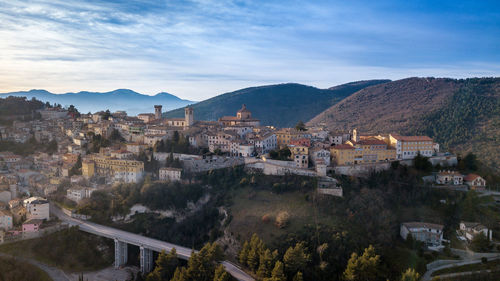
pixel 474 181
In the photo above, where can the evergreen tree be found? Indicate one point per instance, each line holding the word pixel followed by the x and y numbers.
pixel 221 274
pixel 363 268
pixel 298 277
pixel 296 258
pixel 165 266
pixel 277 273
pixel 265 264
pixel 410 275
pixel 243 256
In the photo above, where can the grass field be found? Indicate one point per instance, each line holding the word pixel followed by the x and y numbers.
pixel 70 250
pixel 13 269
pixel 249 206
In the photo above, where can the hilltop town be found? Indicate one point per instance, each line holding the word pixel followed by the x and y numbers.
pixel 85 153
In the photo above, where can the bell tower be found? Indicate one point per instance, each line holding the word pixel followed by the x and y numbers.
pixel 189 116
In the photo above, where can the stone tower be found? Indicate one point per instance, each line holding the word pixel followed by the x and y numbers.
pixel 157 112
pixel 189 116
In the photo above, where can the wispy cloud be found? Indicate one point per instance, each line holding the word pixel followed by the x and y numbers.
pixel 200 48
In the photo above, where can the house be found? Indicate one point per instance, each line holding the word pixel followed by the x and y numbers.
pixel 429 233
pixel 37 208
pixel 449 177
pixel 319 153
pixel 474 181
pixel 6 220
pixel 301 161
pixel 472 229
pixel 32 225
pixel 78 193
pixel 170 174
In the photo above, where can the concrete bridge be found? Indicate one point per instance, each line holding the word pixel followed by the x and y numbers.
pixel 147 245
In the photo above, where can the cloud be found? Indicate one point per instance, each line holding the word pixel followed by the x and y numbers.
pixel 197 49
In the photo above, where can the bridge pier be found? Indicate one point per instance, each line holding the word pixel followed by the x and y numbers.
pixel 146 258
pixel 121 253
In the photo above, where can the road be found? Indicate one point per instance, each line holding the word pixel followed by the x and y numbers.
pixel 141 241
pixel 427 276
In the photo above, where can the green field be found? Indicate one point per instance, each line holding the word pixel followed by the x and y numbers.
pixel 70 250
pixel 250 205
pixel 13 269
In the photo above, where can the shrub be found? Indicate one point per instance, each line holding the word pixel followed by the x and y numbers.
pixel 282 219
pixel 266 218
pixel 484 259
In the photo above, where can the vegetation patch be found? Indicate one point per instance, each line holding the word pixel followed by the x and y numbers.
pixel 70 249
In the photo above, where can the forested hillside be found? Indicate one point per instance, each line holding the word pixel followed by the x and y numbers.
pixel 12 108
pixel 462 115
pixel 280 105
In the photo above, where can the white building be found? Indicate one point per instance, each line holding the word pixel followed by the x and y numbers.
pixel 170 174
pixel 246 150
pixel 449 177
pixel 320 153
pixel 429 233
pixel 266 142
pixel 301 161
pixel 474 181
pixel 37 208
pixel 78 193
pixel 471 229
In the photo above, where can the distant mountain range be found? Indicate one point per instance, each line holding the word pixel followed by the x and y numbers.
pixel 281 105
pixel 461 115
pixel 121 99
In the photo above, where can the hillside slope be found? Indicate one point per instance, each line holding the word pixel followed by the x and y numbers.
pixel 121 99
pixel 280 105
pixel 462 115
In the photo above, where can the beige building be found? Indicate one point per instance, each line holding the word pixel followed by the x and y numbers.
pixel 407 147
pixel 6 220
pixel 243 117
pixel 170 174
pixel 118 170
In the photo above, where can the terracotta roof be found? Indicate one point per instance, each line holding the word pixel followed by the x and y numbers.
pixel 471 177
pixel 371 142
pixel 411 138
pixel 342 146
pixel 423 225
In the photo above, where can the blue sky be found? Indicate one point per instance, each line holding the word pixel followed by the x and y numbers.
pixel 198 49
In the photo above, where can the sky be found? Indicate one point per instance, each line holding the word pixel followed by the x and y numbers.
pixel 199 49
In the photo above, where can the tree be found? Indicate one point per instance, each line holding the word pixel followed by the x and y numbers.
pixel 470 162
pixel 410 275
pixel 298 277
pixel 265 264
pixel 221 274
pixel 52 146
pixel 300 126
pixel 364 267
pixel 243 256
pixel 77 168
pixel 277 273
pixel 282 219
pixel 480 243
pixel 296 258
pixel 165 266
pixel 422 163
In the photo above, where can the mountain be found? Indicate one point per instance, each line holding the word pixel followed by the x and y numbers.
pixel 462 115
pixel 121 99
pixel 281 105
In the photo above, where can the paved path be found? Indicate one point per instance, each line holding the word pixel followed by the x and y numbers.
pixel 142 241
pixel 54 273
pixel 427 275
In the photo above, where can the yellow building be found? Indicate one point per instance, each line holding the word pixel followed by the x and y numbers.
pixel 364 151
pixel 285 135
pixel 122 170
pixel 342 154
pixel 298 150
